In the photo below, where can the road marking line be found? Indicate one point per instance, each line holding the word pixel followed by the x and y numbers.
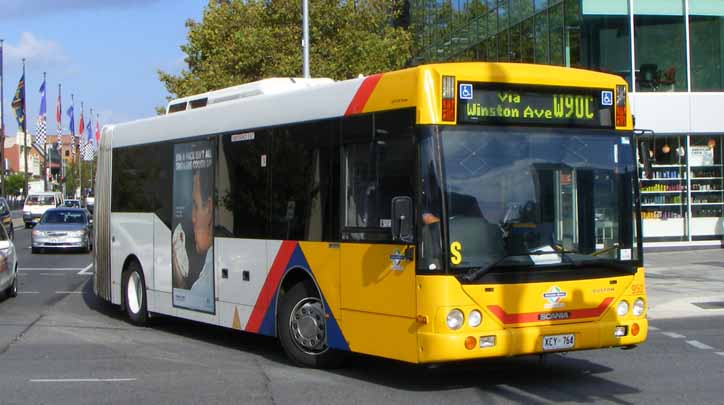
pixel 673 335
pixel 653 328
pixel 69 292
pixel 63 380
pixel 85 270
pixel 719 353
pixel 52 274
pixel 28 292
pixel 699 345
pixel 50 269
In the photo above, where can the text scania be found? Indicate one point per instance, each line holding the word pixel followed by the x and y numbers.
pixel 512 105
pixel 552 316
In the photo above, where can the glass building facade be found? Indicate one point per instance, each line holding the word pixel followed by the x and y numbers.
pixel 671 52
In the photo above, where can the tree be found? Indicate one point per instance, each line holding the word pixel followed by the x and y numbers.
pixel 14 184
pixel 240 41
pixel 72 182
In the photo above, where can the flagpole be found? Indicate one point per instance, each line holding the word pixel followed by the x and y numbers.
pixel 25 134
pixel 80 157
pixel 2 122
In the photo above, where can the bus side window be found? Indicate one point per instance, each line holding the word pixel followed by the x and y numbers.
pixel 378 156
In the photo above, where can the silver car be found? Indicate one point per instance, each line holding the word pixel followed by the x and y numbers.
pixel 63 228
pixel 8 265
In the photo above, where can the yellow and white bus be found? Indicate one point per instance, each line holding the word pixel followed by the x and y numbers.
pixel 439 213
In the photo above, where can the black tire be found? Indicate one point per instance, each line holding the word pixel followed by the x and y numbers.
pixel 35 250
pixel 12 291
pixel 135 304
pixel 310 350
pixel 28 225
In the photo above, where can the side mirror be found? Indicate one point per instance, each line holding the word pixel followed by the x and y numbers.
pixel 645 160
pixel 402 219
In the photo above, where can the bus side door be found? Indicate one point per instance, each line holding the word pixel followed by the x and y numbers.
pixel 377 283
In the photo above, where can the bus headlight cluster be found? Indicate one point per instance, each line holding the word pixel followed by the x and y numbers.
pixel 455 319
pixel 475 318
pixel 638 307
pixel 622 308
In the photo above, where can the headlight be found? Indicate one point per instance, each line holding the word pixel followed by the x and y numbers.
pixel 638 307
pixel 39 234
pixel 455 319
pixel 622 308
pixel 26 212
pixel 474 318
pixel 76 233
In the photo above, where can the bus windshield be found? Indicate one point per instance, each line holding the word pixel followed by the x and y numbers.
pixel 530 197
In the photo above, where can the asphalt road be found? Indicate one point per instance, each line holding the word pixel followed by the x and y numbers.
pixel 59 344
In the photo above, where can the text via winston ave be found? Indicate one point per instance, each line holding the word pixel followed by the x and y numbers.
pixel 534 105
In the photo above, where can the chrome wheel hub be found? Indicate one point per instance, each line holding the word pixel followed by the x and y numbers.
pixel 133 293
pixel 307 326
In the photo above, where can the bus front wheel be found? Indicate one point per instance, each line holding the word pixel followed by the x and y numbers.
pixel 302 328
pixel 134 293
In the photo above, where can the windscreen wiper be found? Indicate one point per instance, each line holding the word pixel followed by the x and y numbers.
pixel 477 272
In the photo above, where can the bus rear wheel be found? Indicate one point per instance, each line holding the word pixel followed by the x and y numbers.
pixel 134 294
pixel 302 327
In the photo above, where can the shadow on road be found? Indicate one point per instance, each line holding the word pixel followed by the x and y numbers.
pixel 530 379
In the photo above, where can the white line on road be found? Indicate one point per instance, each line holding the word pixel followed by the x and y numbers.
pixel 699 345
pixel 720 353
pixel 673 335
pixel 28 292
pixel 50 269
pixel 85 270
pixel 653 328
pixel 69 292
pixel 65 380
pixel 53 274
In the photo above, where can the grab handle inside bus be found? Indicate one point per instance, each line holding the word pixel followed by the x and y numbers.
pixel 402 219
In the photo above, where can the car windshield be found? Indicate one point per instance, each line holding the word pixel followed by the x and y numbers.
pixel 72 203
pixel 40 200
pixel 63 217
pixel 537 197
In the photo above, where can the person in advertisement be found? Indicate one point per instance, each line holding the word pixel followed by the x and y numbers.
pixel 193 257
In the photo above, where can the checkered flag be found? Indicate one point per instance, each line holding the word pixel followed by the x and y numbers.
pixel 41 133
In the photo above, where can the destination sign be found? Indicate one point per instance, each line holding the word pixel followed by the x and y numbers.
pixel 535 105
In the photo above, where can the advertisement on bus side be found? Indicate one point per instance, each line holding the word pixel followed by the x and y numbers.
pixel 192 240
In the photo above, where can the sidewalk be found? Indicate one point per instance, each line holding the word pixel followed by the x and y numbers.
pixel 676 280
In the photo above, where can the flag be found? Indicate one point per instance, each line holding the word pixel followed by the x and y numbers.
pixel 58 120
pixel 98 132
pixel 19 103
pixel 41 132
pixel 71 128
pixel 88 150
pixel 81 130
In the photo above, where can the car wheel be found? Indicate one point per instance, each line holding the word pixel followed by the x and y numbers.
pixel 28 225
pixel 303 329
pixel 134 294
pixel 35 250
pixel 13 289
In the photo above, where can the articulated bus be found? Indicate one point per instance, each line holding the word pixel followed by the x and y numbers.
pixel 439 213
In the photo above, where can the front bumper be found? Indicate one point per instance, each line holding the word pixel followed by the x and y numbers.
pixel 443 347
pixel 64 242
pixel 31 218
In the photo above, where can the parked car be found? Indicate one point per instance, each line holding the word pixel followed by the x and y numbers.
pixel 8 265
pixel 37 203
pixel 6 218
pixel 63 228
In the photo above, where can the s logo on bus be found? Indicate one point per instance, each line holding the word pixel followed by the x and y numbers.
pixel 554 296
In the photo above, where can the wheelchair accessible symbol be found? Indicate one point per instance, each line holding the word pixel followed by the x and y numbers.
pixel 606 97
pixel 466 91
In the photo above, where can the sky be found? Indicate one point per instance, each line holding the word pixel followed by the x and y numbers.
pixel 105 52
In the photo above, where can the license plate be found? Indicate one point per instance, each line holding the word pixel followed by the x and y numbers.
pixel 557 342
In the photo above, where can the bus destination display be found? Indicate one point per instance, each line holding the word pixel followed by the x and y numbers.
pixel 526 105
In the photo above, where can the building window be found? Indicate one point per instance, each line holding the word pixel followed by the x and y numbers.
pixel 706 35
pixel 659 36
pixel 607 37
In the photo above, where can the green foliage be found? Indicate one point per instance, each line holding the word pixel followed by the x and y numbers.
pixel 240 41
pixel 14 183
pixel 72 181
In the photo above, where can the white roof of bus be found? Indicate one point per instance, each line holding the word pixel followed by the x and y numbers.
pixel 330 99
